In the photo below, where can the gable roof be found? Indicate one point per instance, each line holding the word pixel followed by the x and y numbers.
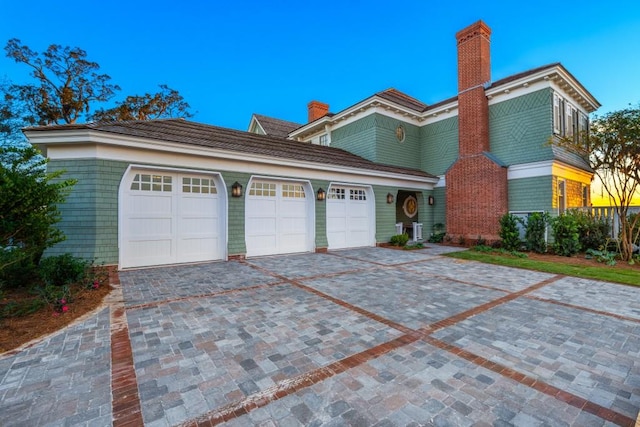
pixel 403 99
pixel 275 127
pixel 182 131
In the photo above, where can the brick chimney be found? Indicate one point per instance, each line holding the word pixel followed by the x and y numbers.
pixel 316 110
pixel 474 71
pixel 476 184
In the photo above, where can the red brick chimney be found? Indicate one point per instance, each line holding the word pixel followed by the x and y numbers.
pixel 316 110
pixel 476 184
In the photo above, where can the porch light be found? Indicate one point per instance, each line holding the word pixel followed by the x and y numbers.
pixel 389 198
pixel 236 189
pixel 431 200
pixel 321 194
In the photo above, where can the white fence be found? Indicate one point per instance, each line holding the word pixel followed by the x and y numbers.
pixel 609 213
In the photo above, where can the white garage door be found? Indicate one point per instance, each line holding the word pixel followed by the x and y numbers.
pixel 277 218
pixel 169 218
pixel 349 217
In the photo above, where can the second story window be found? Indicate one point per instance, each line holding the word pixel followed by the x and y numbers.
pixel 567 120
pixel 324 139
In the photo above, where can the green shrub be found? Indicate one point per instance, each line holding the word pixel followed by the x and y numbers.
pixel 536 231
pixel 509 232
pixel 593 231
pixel 399 239
pixel 604 256
pixel 62 269
pixel 438 233
pixel 16 268
pixel 565 234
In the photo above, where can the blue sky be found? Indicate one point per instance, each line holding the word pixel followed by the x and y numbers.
pixel 233 58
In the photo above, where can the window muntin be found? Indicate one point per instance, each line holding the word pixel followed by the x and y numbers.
pixel 585 195
pixel 357 194
pixel 562 200
pixel 262 189
pixel 336 193
pixel 293 191
pixel 150 182
pixel 198 185
pixel 324 139
pixel 567 120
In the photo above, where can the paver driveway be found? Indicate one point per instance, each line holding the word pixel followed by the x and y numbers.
pixel 358 337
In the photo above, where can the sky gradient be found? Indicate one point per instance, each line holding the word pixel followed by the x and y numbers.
pixel 234 58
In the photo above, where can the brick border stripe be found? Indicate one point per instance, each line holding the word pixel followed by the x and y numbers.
pixel 587 309
pixel 541 386
pixel 125 403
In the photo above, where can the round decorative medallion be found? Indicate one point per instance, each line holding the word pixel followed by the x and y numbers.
pixel 410 206
pixel 400 133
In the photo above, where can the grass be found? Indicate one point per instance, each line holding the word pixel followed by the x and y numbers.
pixel 605 273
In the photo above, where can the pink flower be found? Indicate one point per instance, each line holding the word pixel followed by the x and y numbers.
pixel 96 285
pixel 55 314
pixel 65 308
pixel 63 301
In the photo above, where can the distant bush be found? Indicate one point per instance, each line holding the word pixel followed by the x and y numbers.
pixel 438 233
pixel 594 232
pixel 509 232
pixel 536 232
pixel 62 269
pixel 399 239
pixel 566 235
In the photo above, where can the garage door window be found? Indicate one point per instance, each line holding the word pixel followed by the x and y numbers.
pixel 336 193
pixel 264 189
pixel 148 182
pixel 293 191
pixel 198 185
pixel 357 195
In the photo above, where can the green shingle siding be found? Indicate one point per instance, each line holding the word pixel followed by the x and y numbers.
pixel 439 145
pixel 90 214
pixel 235 219
pixel 389 150
pixel 520 128
pixel 357 137
pixel 531 194
pixel 385 213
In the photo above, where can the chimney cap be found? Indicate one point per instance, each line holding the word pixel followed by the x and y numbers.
pixel 479 28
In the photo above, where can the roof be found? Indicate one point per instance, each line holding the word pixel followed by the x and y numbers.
pixel 403 99
pixel 276 127
pixel 182 131
pixel 571 158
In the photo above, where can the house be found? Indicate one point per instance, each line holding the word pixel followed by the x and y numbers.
pixel 173 191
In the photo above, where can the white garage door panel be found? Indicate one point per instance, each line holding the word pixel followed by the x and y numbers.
pixel 277 218
pixel 349 222
pixel 170 217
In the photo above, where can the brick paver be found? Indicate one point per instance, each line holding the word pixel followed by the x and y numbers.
pixel 357 337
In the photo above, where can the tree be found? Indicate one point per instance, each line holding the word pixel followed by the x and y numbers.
pixel 66 87
pixel 166 103
pixel 612 146
pixel 29 199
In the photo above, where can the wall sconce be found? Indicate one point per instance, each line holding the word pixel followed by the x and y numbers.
pixel 236 189
pixel 321 194
pixel 389 198
pixel 431 200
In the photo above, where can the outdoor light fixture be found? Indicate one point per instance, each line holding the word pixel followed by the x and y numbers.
pixel 389 198
pixel 236 189
pixel 431 200
pixel 321 194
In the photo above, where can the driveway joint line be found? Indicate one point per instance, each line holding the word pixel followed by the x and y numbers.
pixel 207 295
pixel 587 309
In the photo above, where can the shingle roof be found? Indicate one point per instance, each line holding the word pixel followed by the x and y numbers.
pixel 276 127
pixel 186 132
pixel 403 99
pixel 571 158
